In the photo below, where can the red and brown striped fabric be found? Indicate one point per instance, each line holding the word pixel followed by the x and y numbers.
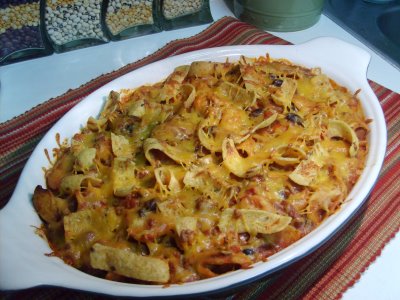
pixel 326 273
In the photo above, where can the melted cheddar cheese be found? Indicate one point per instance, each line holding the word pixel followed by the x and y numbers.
pixel 211 170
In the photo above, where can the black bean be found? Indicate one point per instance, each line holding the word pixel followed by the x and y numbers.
pixel 294 118
pixel 256 112
pixel 141 212
pixel 144 249
pixel 277 82
pixel 129 128
pixel 151 205
pixel 248 251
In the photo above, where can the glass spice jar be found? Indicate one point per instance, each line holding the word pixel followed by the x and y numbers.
pixel 130 18
pixel 21 32
pixel 73 24
pixel 178 14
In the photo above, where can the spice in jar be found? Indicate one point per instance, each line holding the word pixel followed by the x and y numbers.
pixel 74 20
pixel 20 34
pixel 123 14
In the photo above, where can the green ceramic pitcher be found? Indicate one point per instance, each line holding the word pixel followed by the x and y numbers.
pixel 279 15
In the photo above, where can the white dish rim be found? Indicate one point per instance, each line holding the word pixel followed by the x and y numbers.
pixel 343 62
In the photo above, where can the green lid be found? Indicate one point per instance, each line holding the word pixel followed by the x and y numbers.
pixel 279 15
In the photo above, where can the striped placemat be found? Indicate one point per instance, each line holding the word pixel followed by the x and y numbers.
pixel 326 273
